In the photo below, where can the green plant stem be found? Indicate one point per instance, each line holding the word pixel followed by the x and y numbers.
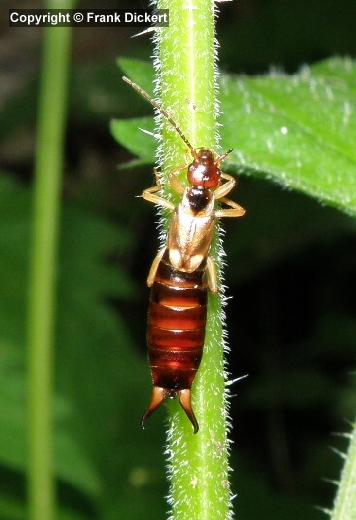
pixel 198 464
pixel 345 502
pixel 49 165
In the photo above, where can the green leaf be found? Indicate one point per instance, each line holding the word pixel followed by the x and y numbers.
pixel 337 68
pixel 13 429
pixel 102 380
pixel 129 134
pixel 298 131
pixel 345 501
pixel 15 225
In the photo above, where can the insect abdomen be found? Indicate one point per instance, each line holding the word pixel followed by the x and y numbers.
pixel 176 332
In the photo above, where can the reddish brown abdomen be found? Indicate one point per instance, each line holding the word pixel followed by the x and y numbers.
pixel 176 326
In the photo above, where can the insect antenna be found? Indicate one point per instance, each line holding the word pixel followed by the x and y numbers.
pixel 222 157
pixel 160 109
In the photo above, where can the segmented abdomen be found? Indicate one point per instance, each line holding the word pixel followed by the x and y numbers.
pixel 176 325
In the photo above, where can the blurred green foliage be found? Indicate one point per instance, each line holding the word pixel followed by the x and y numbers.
pixel 97 368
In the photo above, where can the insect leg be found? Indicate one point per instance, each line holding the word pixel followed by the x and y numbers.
pixel 156 173
pixel 153 269
pixel 211 275
pixel 235 211
pixel 150 195
pixel 174 182
pixel 223 190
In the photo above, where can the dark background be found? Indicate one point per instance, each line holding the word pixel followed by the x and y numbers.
pixel 290 262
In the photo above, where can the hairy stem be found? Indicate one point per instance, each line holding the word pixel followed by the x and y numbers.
pixel 49 164
pixel 345 502
pixel 185 63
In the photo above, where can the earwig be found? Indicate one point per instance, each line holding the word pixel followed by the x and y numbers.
pixel 182 272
